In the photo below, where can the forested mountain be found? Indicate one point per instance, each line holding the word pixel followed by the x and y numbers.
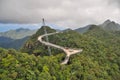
pixel 5 39
pixel 18 33
pixel 83 29
pixel 107 25
pixel 12 43
pixel 15 38
pixel 34 46
pixel 110 26
pixel 100 59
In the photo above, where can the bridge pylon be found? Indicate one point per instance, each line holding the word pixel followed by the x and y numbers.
pixel 45 32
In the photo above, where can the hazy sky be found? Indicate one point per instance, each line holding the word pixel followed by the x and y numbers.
pixel 67 13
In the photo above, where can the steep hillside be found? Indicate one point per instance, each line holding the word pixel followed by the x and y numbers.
pixel 84 29
pixel 5 39
pixel 11 43
pixel 34 46
pixel 15 38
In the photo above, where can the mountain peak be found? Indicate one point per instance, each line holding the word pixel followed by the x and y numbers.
pixel 41 31
pixel 21 29
pixel 110 25
pixel 107 21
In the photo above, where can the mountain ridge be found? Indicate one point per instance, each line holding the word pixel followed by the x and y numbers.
pixel 110 25
pixel 18 33
pixel 107 25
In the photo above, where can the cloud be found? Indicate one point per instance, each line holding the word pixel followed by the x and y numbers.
pixel 114 2
pixel 68 13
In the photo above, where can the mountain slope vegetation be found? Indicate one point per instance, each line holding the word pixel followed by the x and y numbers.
pixel 34 46
pixel 15 38
pixel 11 43
pixel 100 59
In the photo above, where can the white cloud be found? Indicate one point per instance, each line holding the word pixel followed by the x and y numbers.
pixel 68 13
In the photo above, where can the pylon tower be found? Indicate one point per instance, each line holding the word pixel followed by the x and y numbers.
pixel 45 32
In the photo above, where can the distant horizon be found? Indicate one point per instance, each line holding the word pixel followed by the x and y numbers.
pixel 7 27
